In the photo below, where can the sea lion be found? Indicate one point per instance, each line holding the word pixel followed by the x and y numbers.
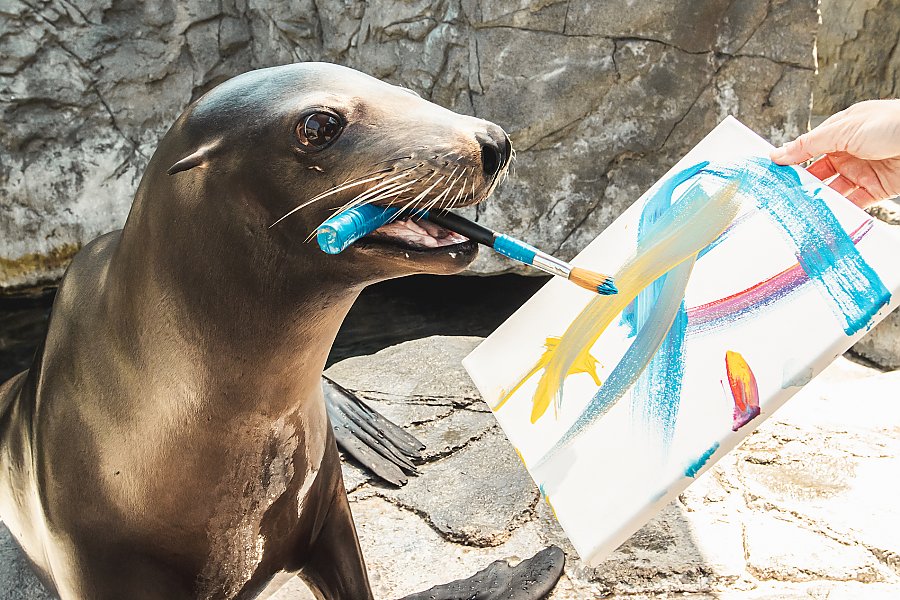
pixel 170 440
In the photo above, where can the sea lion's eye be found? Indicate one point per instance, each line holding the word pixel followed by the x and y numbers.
pixel 318 130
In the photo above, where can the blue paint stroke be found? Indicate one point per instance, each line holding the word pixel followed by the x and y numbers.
pixel 627 320
pixel 657 391
pixel 656 206
pixel 824 250
pixel 698 464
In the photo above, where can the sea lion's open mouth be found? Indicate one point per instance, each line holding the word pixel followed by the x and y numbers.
pixel 416 234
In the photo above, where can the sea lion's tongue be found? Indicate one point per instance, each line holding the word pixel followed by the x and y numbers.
pixel 419 233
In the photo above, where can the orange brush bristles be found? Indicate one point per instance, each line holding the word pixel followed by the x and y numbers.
pixel 595 282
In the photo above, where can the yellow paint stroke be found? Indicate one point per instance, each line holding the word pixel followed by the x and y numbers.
pixel 519 454
pixel 679 234
pixel 584 364
pixel 550 504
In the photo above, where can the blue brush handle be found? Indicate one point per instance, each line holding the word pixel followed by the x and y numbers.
pixel 341 230
pixel 515 249
pixel 501 243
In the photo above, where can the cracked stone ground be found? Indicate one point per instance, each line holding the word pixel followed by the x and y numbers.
pixel 804 508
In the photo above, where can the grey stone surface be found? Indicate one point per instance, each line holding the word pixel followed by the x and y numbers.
pixel 882 344
pixel 447 435
pixel 429 374
pixel 887 211
pixel 17 582
pixel 476 497
pixel 599 98
pixel 858 53
pixel 804 509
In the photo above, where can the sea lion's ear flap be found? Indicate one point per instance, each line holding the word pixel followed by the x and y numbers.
pixel 190 161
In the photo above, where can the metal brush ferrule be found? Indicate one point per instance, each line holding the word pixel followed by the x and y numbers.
pixel 552 265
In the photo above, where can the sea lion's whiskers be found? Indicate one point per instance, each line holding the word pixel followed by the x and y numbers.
pixel 374 194
pixel 367 178
pixel 446 193
pixel 399 189
pixel 337 189
pixel 442 194
pixel 393 160
pixel 375 191
pixel 360 197
pixel 451 176
pixel 462 190
pixel 359 200
pixel 377 188
pixel 416 199
pixel 432 204
pixel 452 184
pixel 433 173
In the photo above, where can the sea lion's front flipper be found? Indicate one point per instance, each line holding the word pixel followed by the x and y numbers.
pixel 378 444
pixel 531 579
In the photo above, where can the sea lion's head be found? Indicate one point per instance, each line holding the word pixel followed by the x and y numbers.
pixel 273 153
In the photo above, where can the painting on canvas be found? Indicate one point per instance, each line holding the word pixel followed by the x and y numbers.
pixel 739 280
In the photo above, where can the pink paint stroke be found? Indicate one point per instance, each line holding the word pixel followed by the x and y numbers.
pixel 711 315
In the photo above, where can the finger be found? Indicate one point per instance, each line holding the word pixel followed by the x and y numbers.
pixel 843 186
pixel 822 168
pixel 821 140
pixel 862 198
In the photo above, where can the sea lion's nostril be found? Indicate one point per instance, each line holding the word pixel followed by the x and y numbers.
pixel 495 150
pixel 491 159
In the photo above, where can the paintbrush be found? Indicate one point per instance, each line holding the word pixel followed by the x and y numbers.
pixel 345 228
pixel 524 253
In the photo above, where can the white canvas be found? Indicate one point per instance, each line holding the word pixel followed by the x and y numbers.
pixel 779 291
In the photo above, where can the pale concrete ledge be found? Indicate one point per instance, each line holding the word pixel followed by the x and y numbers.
pixel 806 508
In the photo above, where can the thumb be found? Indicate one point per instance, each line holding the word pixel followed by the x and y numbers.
pixel 820 140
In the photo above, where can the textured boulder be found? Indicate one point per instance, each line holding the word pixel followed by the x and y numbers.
pixel 858 53
pixel 882 344
pixel 599 98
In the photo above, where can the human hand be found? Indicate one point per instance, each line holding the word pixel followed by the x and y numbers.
pixel 861 148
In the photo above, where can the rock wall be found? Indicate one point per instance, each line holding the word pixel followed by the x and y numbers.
pixel 859 53
pixel 599 98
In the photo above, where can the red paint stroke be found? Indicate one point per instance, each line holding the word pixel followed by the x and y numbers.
pixel 744 389
pixel 712 314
